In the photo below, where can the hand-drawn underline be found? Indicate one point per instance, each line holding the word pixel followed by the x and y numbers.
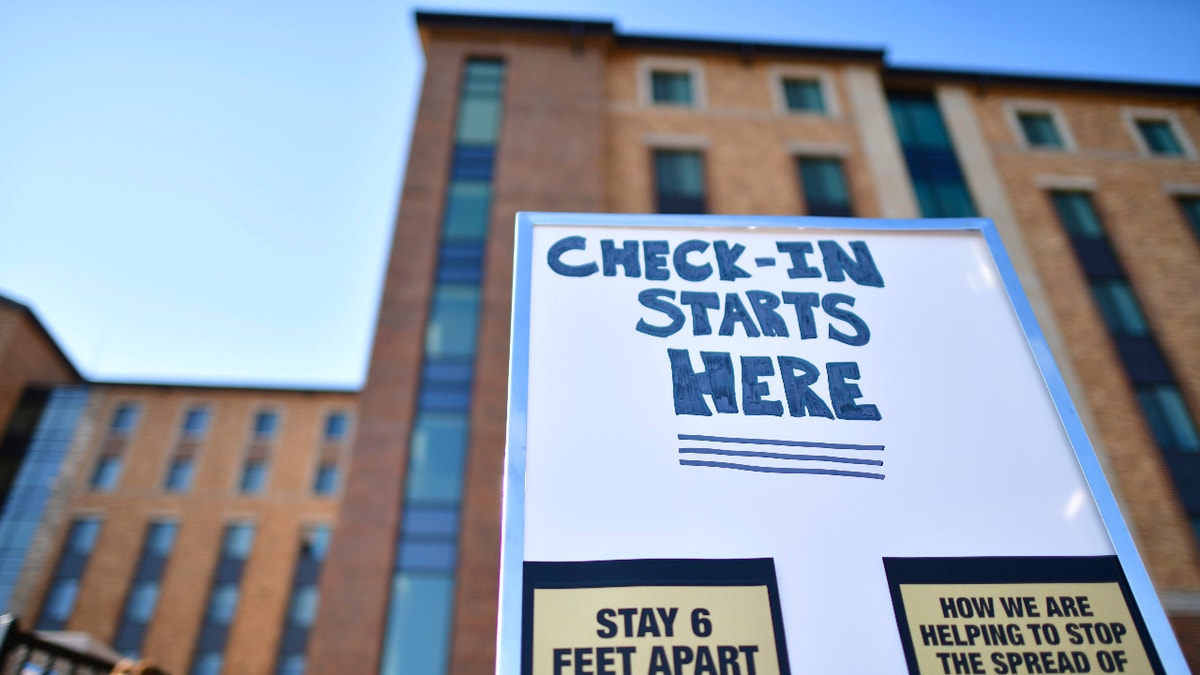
pixel 780 455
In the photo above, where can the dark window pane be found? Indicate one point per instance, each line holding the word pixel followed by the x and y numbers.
pixel 60 601
pixel 1039 130
pixel 108 469
pixel 803 96
pixel 679 181
pixel 222 604
pixel 254 476
pixel 1077 214
pixel 142 599
pixel 1169 419
pixel 824 184
pixel 160 539
pixel 195 422
pixel 208 663
pixel 179 475
pixel 83 536
pixel 418 628
pixel 336 425
pixel 1159 137
pixel 265 424
pixel 325 482
pixel 671 88
pixel 1119 307
pixel 315 543
pixel 292 664
pixel 437 456
pixel 239 538
pixel 467 206
pixel 428 555
pixel 124 419
pixel 430 521
pixel 479 105
pixel 938 181
pixel 453 320
pixel 303 606
pixel 1191 211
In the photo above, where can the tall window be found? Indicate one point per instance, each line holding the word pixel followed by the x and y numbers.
pixel 417 635
pixel 182 466
pixel 1158 394
pixel 679 181
pixel 72 563
pixel 1039 130
pixel 223 596
pixel 256 462
pixel 803 95
pixel 929 153
pixel 1191 212
pixel 824 185
pixel 302 604
pixel 143 592
pixel 671 87
pixel 266 423
pixel 108 467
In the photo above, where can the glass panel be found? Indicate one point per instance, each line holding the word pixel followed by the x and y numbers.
pixel 208 663
pixel 59 603
pixel 1077 214
pixel 335 426
pixel 428 555
pixel 453 320
pixel 1169 419
pixel 418 630
pixel 179 476
pixel 316 542
pixel 467 207
pixel 142 599
pixel 222 604
pixel 292 664
pixel 439 444
pixel 804 95
pixel 1191 211
pixel 254 476
pixel 160 539
pixel 195 422
pixel 238 541
pixel 124 419
pixel 265 424
pixel 672 88
pixel 108 469
pixel 679 181
pixel 1039 130
pixel 825 191
pixel 325 481
pixel 426 521
pixel 304 606
pixel 479 105
pixel 1159 137
pixel 919 122
pixel 83 536
pixel 1119 307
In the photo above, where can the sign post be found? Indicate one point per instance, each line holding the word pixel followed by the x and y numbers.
pixel 771 445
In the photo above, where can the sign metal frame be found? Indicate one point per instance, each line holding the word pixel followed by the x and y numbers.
pixel 509 624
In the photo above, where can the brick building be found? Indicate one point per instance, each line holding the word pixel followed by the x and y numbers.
pixel 1095 187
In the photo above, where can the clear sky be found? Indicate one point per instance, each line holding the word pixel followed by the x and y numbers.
pixel 204 192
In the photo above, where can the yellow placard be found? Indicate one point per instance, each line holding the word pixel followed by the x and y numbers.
pixel 1006 629
pixel 652 630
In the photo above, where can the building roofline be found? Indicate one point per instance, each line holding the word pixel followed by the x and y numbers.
pixel 983 79
pixel 21 307
pixel 206 386
pixel 750 48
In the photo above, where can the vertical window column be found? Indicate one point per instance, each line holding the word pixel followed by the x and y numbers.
pixel 824 184
pixel 679 181
pixel 108 467
pixel 417 637
pixel 302 606
pixel 258 456
pixel 929 153
pixel 143 592
pixel 183 461
pixel 60 599
pixel 222 599
pixel 1153 381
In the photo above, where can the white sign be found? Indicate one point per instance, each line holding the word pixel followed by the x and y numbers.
pixel 841 445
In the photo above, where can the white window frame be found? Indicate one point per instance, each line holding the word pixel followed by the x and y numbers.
pixel 1015 107
pixel 1132 116
pixel 694 68
pixel 822 76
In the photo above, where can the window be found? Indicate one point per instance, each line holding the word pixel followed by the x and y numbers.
pixel 437 457
pixel 60 602
pixel 1119 307
pixel 108 469
pixel 265 425
pixel 292 664
pixel 1168 417
pixel 335 426
pixel 453 320
pixel 208 663
pixel 325 482
pixel 72 563
pixel 222 599
pixel 254 476
pixel 1191 212
pixel 303 608
pixel 1159 137
pixel 315 542
pixel 1077 215
pixel 195 422
pixel 479 105
pixel 937 179
pixel 222 604
pixel 824 185
pixel 142 599
pixel 179 475
pixel 803 95
pixel 1039 130
pixel 671 88
pixel 237 542
pixel 679 181
pixel 124 420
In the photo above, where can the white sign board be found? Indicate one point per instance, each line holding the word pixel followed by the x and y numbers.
pixel 800 445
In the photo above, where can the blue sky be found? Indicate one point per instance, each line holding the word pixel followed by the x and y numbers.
pixel 204 192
